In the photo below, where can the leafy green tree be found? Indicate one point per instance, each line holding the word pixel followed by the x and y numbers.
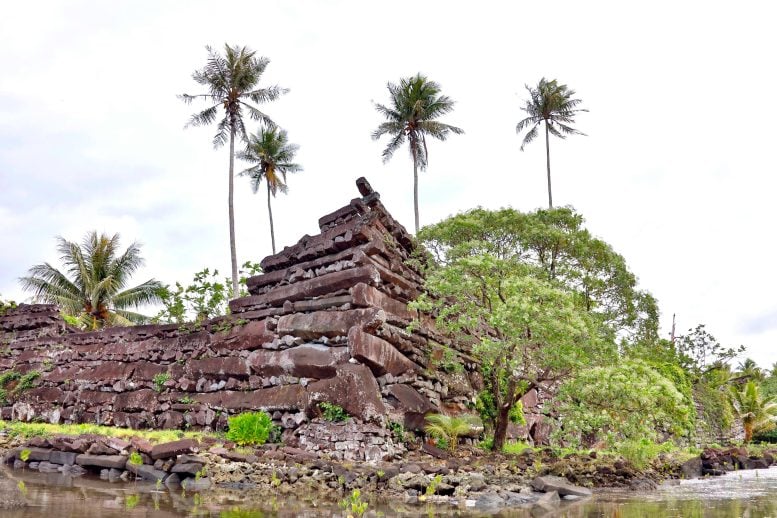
pixel 274 158
pixel 526 332
pixel 758 414
pixel 550 103
pixel 627 401
pixel 699 350
pixel 92 287
pixel 416 104
pixel 5 305
pixel 206 297
pixel 232 81
pixel 562 251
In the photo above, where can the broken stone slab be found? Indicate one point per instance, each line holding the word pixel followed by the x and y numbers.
pixel 190 468
pixel 378 354
pixel 145 471
pixel 63 458
pixel 354 388
pixel 561 485
pixel 102 461
pixel 329 323
pixel 171 449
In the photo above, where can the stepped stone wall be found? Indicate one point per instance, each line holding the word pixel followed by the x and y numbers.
pixel 326 321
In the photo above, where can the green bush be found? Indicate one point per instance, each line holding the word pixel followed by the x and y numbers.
pixel 515 447
pixel 642 452
pixel 250 428
pixel 332 412
pixel 770 437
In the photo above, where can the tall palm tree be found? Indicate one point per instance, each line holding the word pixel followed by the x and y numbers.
pixel 749 369
pixel 758 414
pixel 92 286
pixel 231 80
pixel 416 104
pixel 273 155
pixel 552 104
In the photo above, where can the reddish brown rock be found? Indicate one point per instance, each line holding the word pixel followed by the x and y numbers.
pixel 284 397
pixel 220 368
pixel 329 323
pixel 171 449
pixel 364 295
pixel 102 461
pixel 136 400
pixel 305 361
pixel 378 354
pixel 243 337
pixel 354 388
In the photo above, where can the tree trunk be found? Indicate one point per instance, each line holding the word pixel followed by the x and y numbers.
pixel 748 426
pixel 547 162
pixel 500 429
pixel 269 210
pixel 415 190
pixel 232 249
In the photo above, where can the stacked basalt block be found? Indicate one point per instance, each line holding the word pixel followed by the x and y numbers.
pixel 327 321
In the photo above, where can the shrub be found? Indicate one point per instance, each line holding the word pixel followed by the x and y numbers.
pixel 135 458
pixel 332 412
pixel 447 428
pixel 515 447
pixel 249 428
pixel 642 452
pixel 160 380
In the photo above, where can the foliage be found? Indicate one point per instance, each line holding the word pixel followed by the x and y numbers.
pixel 550 103
pixel 448 428
pixel 24 455
pixel 767 437
pixel 758 414
pixel 641 452
pixel 622 402
pixel 431 489
pixel 273 157
pixel 5 305
pixel 416 104
pixel 353 504
pixel 698 350
pixel 562 251
pixel 332 412
pixel 538 332
pixel 397 430
pixel 748 369
pixel 250 428
pixel 717 415
pixel 515 447
pixel 232 81
pixel 29 430
pixel 92 287
pixel 135 458
pixel 160 380
pixel 205 298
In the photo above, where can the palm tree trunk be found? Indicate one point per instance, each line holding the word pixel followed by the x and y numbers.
pixel 415 190
pixel 547 162
pixel 269 210
pixel 232 248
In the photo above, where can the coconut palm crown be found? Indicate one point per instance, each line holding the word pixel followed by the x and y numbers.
pixel 92 286
pixel 232 82
pixel 416 104
pixel 758 414
pixel 273 155
pixel 552 104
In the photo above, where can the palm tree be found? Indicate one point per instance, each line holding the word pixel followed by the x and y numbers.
pixel 758 414
pixel 92 284
pixel 231 80
pixel 416 103
pixel 749 369
pixel 273 155
pixel 552 104
pixel 448 428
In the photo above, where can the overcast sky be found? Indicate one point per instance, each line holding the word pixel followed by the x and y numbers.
pixel 677 171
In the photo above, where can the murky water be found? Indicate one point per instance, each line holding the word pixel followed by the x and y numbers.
pixel 31 494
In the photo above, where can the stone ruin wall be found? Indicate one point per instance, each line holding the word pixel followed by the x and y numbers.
pixel 326 321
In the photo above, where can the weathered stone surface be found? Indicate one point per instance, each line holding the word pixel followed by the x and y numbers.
pixel 245 337
pixel 308 360
pixel 561 485
pixel 378 354
pixel 191 468
pixel 329 323
pixel 145 471
pixel 102 461
pixel 314 287
pixel 137 400
pixel 220 368
pixel 63 458
pixel 171 449
pixel 284 397
pixel 354 388
pixel 365 295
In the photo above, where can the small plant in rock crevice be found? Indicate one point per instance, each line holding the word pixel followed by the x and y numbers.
pixel 332 412
pixel 160 380
pixel 135 459
pixel 354 505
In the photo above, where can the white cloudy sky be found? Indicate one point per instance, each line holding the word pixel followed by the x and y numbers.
pixel 677 171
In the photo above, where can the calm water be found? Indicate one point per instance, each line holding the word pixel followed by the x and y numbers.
pixel 739 494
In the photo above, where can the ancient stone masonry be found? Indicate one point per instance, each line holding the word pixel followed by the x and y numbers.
pixel 327 321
